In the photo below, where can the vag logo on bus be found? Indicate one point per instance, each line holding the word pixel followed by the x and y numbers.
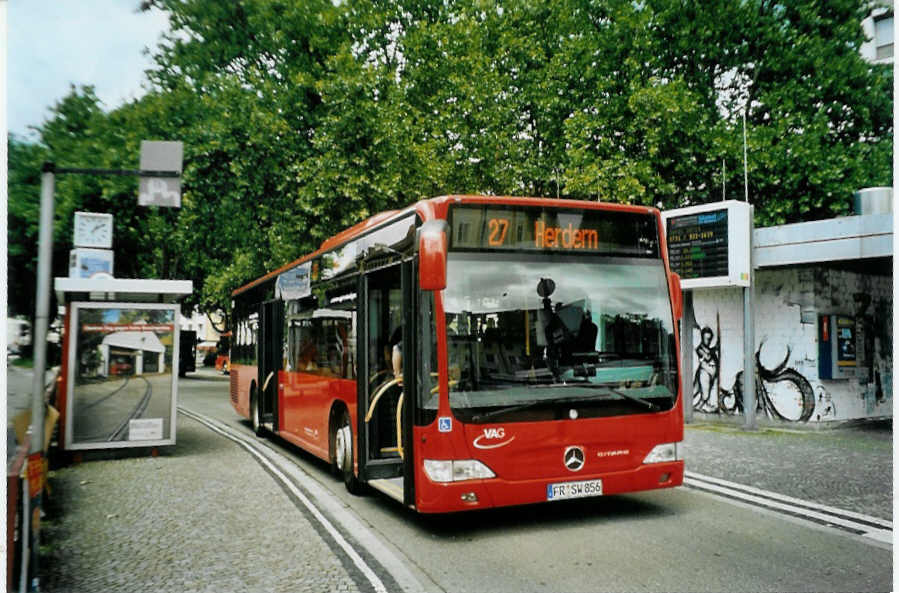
pixel 492 434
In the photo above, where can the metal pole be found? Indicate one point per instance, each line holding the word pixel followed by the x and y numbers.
pixel 686 342
pixel 23 536
pixel 41 316
pixel 745 162
pixel 749 401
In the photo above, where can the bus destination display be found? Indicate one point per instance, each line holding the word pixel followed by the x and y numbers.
pixel 697 245
pixel 557 230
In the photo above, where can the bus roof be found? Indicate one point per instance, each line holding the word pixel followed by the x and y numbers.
pixel 427 210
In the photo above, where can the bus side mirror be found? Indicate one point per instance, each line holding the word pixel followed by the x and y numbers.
pixel 432 246
pixel 677 296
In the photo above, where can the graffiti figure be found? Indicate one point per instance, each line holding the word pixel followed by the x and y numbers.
pixel 764 401
pixel 707 374
pixel 706 382
pixel 827 408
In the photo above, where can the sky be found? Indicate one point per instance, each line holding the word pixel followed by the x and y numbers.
pixel 52 44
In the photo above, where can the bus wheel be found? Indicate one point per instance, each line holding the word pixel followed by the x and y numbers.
pixel 343 454
pixel 254 413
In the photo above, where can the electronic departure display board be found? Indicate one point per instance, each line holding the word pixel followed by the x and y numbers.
pixel 708 245
pixel 697 244
pixel 560 230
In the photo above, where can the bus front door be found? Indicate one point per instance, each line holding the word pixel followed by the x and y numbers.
pixel 271 324
pixel 383 394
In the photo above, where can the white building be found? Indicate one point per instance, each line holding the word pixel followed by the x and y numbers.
pixel 207 336
pixel 143 348
pixel 878 28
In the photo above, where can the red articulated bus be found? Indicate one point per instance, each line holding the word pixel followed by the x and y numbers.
pixel 471 352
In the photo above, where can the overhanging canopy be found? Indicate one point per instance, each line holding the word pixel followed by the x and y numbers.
pixel 121 289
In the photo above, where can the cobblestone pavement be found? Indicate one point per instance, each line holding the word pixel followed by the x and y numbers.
pixel 197 518
pixel 850 468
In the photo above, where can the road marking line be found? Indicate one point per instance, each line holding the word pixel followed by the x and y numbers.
pixel 857 523
pixel 286 482
pixel 340 513
pixel 874 521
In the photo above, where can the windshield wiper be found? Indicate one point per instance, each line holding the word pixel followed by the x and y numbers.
pixel 632 398
pixel 567 400
pixel 621 394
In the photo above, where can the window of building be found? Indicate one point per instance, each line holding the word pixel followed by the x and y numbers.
pixel 883 37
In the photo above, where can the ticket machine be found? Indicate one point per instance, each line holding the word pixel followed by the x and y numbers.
pixel 836 347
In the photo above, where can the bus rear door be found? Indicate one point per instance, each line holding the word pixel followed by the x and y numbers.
pixel 271 327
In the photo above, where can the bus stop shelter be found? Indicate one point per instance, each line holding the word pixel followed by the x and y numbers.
pixel 119 380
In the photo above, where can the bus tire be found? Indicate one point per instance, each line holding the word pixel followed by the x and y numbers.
pixel 254 412
pixel 343 454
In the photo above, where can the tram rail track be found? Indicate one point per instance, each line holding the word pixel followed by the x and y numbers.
pixel 108 395
pixel 138 410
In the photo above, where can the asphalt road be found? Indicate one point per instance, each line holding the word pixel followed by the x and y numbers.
pixel 678 539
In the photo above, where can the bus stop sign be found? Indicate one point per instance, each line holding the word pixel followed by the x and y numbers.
pixel 165 160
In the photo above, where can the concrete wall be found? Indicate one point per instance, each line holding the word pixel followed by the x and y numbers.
pixel 788 302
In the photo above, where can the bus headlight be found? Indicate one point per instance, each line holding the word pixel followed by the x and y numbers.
pixel 665 452
pixel 456 470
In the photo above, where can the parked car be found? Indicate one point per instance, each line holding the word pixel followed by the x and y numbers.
pixel 121 368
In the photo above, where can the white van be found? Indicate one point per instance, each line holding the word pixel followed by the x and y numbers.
pixel 18 335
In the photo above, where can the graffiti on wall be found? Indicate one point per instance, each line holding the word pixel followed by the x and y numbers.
pixel 789 383
pixel 875 331
pixel 781 393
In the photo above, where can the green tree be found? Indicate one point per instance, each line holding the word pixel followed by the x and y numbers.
pixel 244 77
pixel 819 121
pixel 23 210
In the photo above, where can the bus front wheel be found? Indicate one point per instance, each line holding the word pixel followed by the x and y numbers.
pixel 254 412
pixel 343 454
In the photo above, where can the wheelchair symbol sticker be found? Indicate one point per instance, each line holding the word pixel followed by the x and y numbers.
pixel 445 424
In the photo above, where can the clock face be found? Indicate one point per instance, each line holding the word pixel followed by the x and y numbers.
pixel 93 229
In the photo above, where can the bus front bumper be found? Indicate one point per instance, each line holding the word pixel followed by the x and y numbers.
pixel 435 497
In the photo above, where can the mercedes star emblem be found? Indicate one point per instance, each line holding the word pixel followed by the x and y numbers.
pixel 574 458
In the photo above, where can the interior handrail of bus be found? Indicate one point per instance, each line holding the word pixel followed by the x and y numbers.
pixel 399 425
pixel 267 379
pixel 381 391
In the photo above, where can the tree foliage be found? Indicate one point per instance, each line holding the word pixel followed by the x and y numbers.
pixel 302 118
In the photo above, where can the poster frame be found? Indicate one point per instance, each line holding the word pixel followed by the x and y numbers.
pixel 73 356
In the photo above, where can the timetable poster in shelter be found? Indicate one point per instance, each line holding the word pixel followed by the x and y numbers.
pixel 121 384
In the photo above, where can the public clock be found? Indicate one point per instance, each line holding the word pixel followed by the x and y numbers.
pixel 93 229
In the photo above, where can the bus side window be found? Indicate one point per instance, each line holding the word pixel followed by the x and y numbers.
pixel 308 352
pixel 300 345
pixel 336 322
pixel 334 357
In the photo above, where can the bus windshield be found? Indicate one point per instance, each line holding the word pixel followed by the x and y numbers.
pixel 550 336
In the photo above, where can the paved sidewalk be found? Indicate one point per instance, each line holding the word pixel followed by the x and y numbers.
pixel 850 468
pixel 198 518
